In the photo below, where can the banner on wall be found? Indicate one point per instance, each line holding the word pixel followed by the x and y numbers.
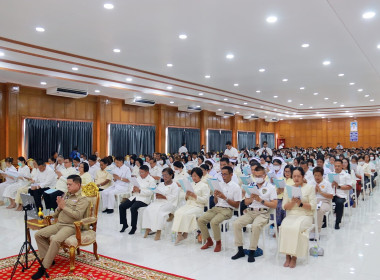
pixel 354 131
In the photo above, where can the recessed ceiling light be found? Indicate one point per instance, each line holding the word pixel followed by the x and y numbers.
pixel 326 98
pixel 302 88
pixel 335 102
pixel 351 84
pixel 245 103
pixel 284 80
pixel 40 29
pixel 182 36
pixel 225 99
pixel 326 62
pixel 360 89
pixel 305 45
pixel 201 93
pixel 97 91
pixel 368 15
pixel 237 113
pixel 116 50
pixel 43 83
pixel 2 54
pixel 108 6
pixel 372 100
pixel 207 76
pixel 230 56
pixel 275 96
pixel 286 112
pixel 258 91
pixel 323 117
pixel 171 102
pixel 342 105
pixel 340 75
pixel 198 106
pixel 75 68
pixel 301 118
pixel 129 79
pixel 351 116
pixel 311 107
pixel 378 46
pixel 315 93
pixel 367 95
pixel 301 104
pixel 138 97
pixel 169 65
pixel 271 19
pixel 219 109
pixel 261 106
pixel 346 111
pixel 236 85
pixel 169 87
pixel 265 116
pixel 281 119
pixel 289 100
pixel 261 70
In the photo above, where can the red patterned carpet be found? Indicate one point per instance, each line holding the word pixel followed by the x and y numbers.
pixel 87 268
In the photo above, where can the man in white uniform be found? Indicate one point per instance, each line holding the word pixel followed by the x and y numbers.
pixel 93 166
pixel 121 176
pixel 226 201
pixel 257 213
pixel 155 170
pixel 265 151
pixel 309 178
pixel 182 149
pixel 231 152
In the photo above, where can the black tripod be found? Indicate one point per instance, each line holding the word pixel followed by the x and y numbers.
pixel 25 246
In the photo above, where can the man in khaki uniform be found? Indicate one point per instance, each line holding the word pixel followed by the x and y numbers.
pixel 71 208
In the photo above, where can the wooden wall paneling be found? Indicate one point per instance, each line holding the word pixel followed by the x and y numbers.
pixel 202 125
pixel 2 120
pixel 234 131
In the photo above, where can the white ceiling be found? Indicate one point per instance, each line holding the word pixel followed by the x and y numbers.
pixel 146 32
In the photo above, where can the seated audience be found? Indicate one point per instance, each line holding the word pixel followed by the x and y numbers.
pixel 8 179
pixel 103 179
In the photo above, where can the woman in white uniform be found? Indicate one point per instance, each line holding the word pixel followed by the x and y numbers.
pixel 166 200
pixel 8 179
pixel 185 218
pixel 294 242
pixel 21 182
pixel 180 173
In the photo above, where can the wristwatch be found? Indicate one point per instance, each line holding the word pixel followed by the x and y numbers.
pixel 262 202
pixel 338 187
pixel 301 205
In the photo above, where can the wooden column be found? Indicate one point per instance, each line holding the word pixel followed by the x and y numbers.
pixel 13 133
pixel 234 132
pixel 203 128
pixel 2 121
pixel 160 134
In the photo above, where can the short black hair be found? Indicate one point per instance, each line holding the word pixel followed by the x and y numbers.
pixel 178 164
pixel 205 167
pixel 76 179
pixel 228 143
pixel 169 171
pixel 92 158
pixel 144 167
pixel 139 160
pixel 277 161
pixel 22 159
pixel 76 159
pixel 105 160
pixel 227 160
pixel 229 169
pixel 209 163
pixel 300 169
pixel 260 168
pixel 69 159
pixel 119 158
pixel 318 170
pixel 339 160
pixel 9 160
pixel 265 142
pixel 40 162
pixel 85 166
pixel 183 144
pixel 197 171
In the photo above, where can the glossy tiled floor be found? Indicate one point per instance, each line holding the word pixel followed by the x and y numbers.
pixel 350 253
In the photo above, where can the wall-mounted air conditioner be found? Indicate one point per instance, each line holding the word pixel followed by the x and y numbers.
pixel 67 92
pixel 139 102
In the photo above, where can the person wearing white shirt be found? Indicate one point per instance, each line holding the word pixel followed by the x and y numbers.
pixel 61 185
pixel 93 166
pixel 121 175
pixel 155 171
pixel 45 179
pixel 339 146
pixel 59 164
pixel 22 180
pixel 340 189
pixel 226 199
pixel 136 169
pixel 256 214
pixel 277 170
pixel 165 203
pixel 182 149
pixel 24 190
pixel 324 194
pixel 308 178
pixel 141 197
pixel 8 179
pixel 321 163
pixel 231 152
pixel 265 151
pixel 180 173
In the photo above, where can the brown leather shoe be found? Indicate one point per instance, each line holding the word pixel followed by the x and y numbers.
pixel 208 244
pixel 171 217
pixel 218 246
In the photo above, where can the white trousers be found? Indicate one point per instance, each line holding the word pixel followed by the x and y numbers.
pixel 108 195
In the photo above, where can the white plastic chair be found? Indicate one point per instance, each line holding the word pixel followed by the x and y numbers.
pixel 226 224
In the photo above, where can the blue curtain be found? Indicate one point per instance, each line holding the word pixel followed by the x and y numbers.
pixel 217 139
pixel 128 139
pixel 43 137
pixel 177 136
pixel 269 137
pixel 246 140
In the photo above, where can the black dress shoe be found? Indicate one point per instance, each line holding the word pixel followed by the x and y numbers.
pixel 133 230
pixel 39 274
pixel 251 256
pixel 53 263
pixel 337 226
pixel 109 211
pixel 105 211
pixel 239 254
pixel 124 228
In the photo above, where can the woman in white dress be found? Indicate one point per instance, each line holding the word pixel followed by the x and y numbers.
pixel 185 218
pixel 166 200
pixel 24 190
pixel 180 173
pixel 21 182
pixel 136 168
pixel 8 179
pixel 205 169
pixel 294 242
pixel 84 174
